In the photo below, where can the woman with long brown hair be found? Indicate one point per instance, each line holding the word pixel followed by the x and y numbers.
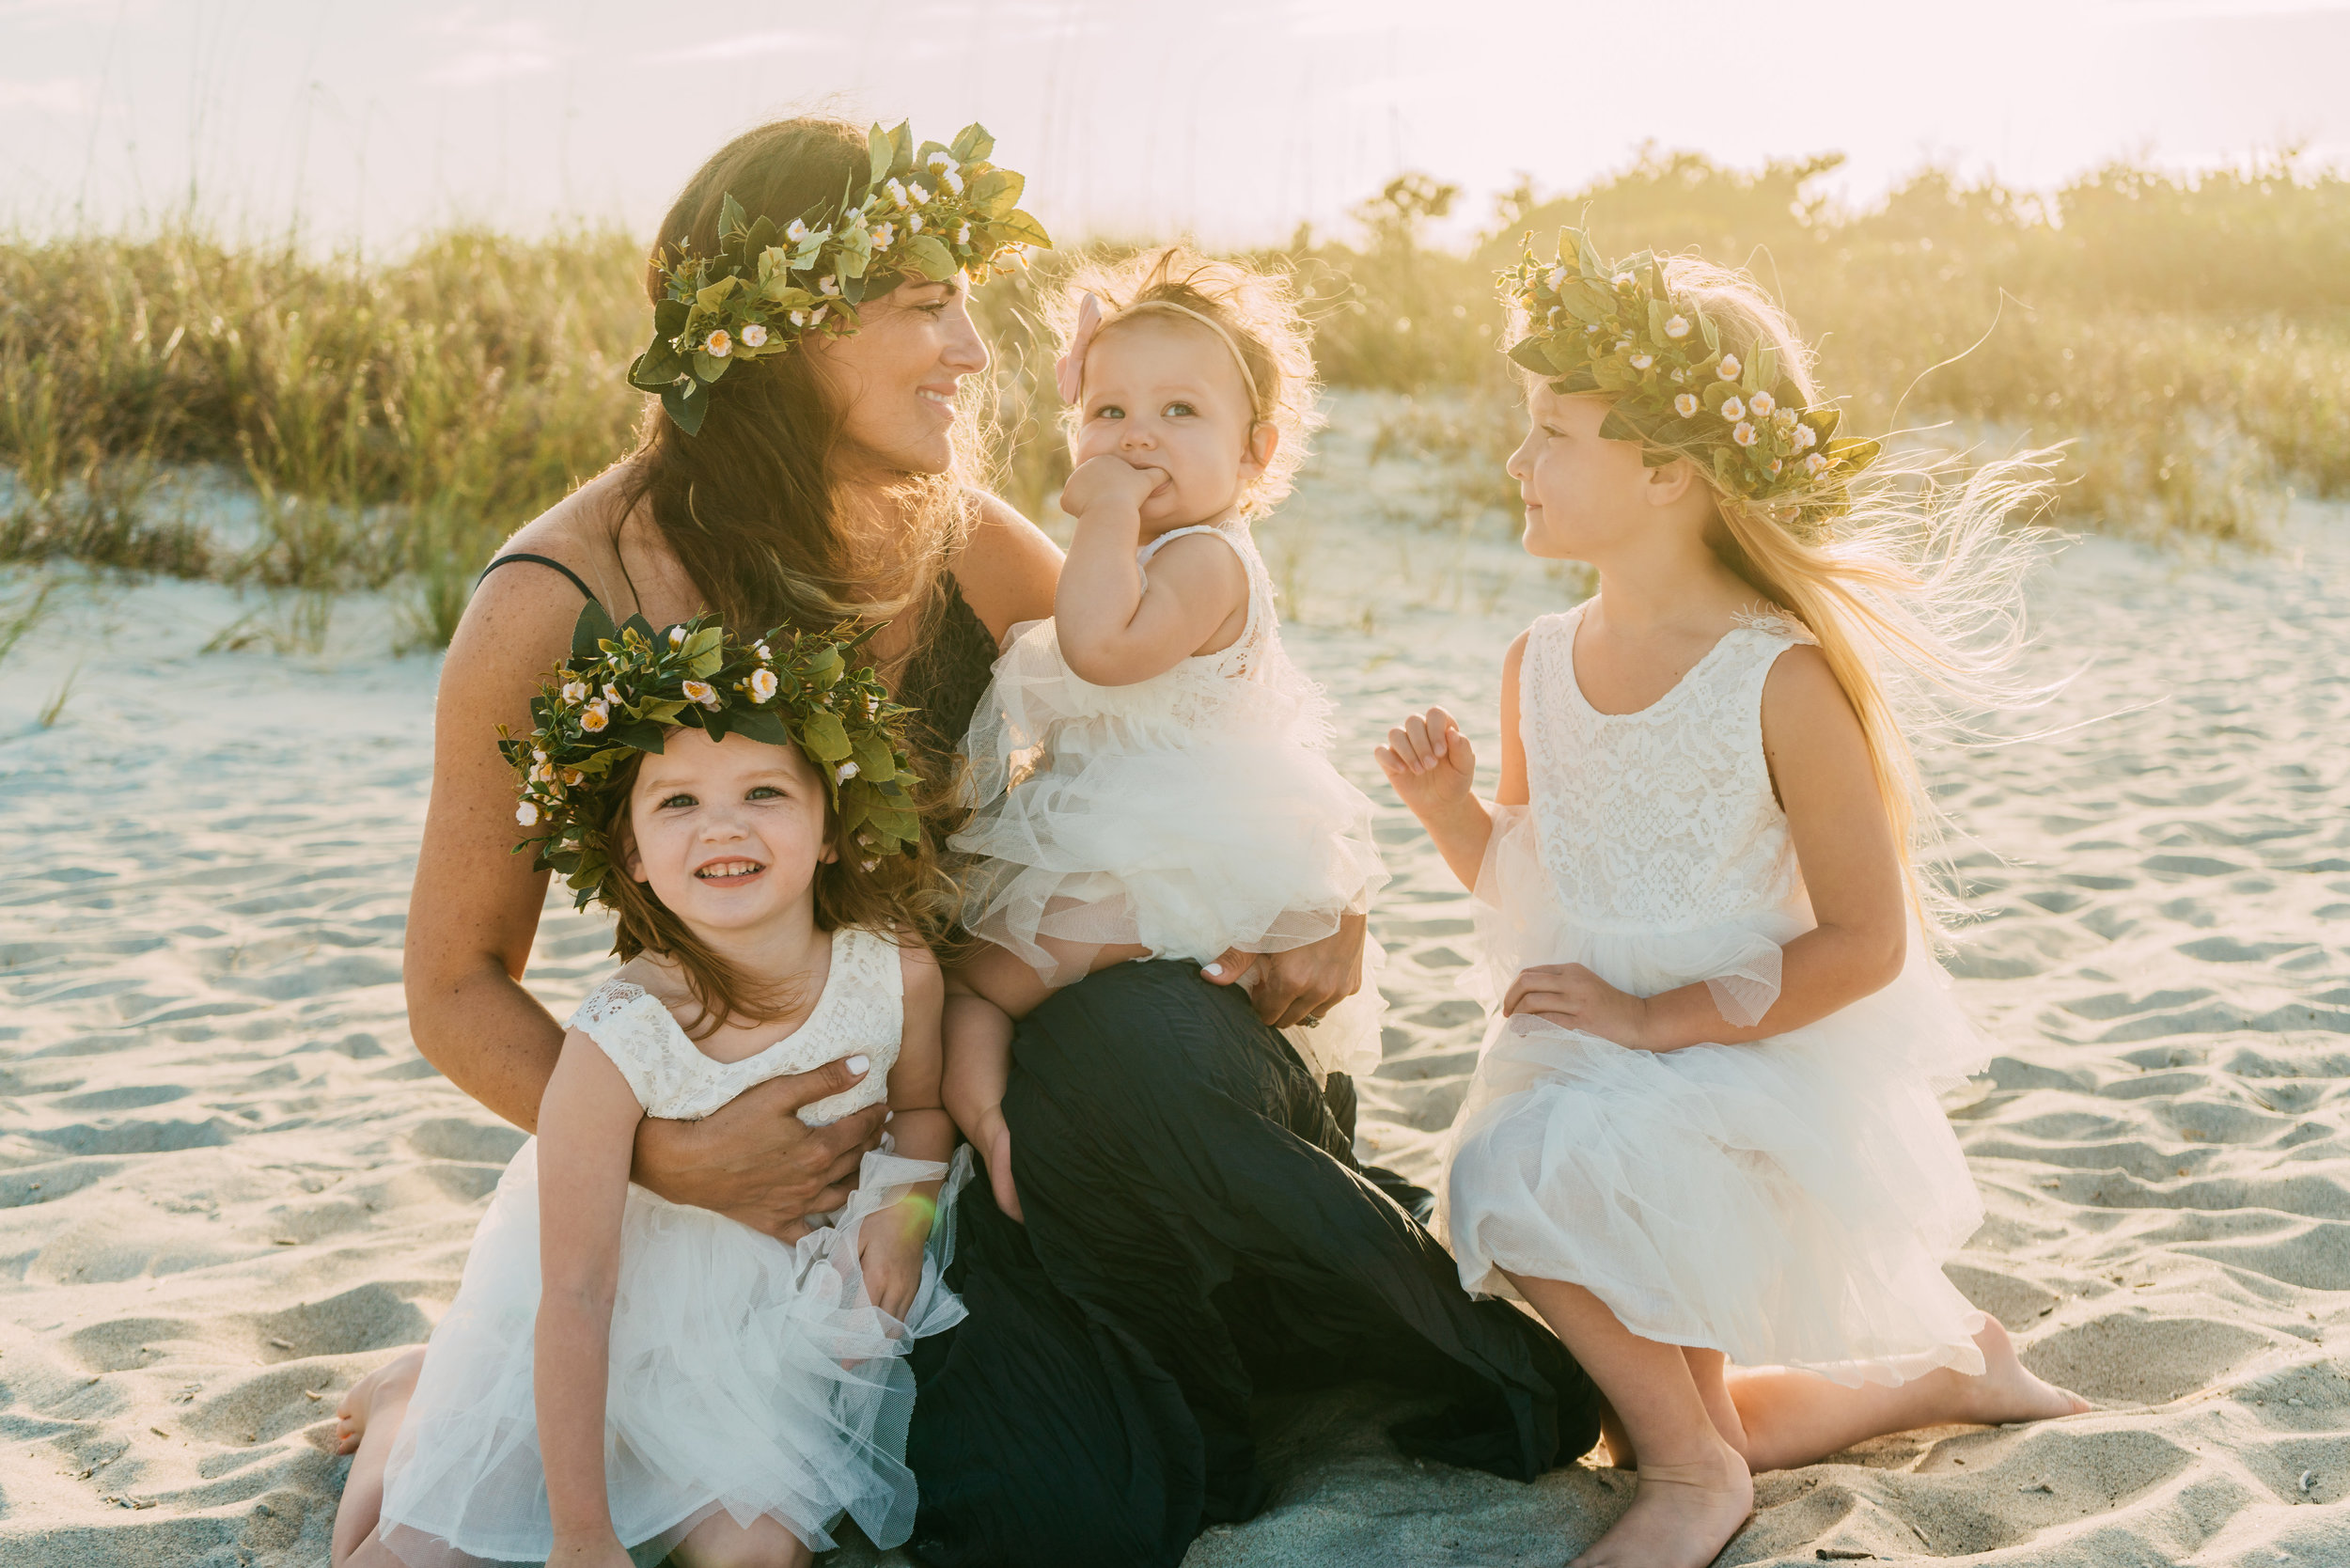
pixel 1195 1222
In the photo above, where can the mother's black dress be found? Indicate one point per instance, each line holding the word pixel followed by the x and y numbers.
pixel 1196 1229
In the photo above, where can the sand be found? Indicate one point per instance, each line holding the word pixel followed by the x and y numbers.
pixel 234 1187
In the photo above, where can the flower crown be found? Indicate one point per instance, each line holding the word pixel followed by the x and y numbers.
pixel 932 212
pixel 1618 329
pixel 622 687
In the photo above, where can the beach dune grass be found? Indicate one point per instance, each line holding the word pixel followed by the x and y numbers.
pixel 395 418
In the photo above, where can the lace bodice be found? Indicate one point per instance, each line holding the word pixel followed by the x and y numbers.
pixel 1260 641
pixel 1661 820
pixel 861 1011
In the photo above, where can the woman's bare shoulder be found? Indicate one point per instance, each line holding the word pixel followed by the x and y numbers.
pixel 1008 567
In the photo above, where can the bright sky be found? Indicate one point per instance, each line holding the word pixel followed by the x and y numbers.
pixel 1233 118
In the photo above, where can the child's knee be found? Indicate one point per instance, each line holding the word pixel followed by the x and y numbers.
pixel 720 1543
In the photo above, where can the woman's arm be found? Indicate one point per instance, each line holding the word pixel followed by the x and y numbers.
pixel 1006 567
pixel 475 909
pixel 1819 764
pixel 587 1121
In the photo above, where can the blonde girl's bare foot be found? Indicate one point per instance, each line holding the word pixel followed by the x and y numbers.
pixel 2006 1391
pixel 1682 1516
pixel 396 1377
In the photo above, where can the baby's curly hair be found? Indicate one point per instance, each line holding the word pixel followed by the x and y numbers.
pixel 1257 309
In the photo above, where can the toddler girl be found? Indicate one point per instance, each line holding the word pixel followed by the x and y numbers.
pixel 1149 765
pixel 1704 1130
pixel 620 1371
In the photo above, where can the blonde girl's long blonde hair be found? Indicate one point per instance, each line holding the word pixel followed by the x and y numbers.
pixel 1910 577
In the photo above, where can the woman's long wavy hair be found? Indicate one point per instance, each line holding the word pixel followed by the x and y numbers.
pixel 756 505
pixel 902 898
pixel 1910 577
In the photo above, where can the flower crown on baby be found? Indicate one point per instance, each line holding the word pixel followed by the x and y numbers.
pixel 1618 328
pixel 623 688
pixel 930 211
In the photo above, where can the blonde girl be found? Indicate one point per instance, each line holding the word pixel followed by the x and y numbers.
pixel 1702 1140
pixel 1147 765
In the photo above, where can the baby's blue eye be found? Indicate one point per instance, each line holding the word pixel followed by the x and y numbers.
pixel 679 800
pixel 1109 411
pixel 764 792
pixel 1181 408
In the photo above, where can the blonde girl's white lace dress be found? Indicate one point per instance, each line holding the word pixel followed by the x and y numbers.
pixel 747 1374
pixel 1787 1203
pixel 1191 813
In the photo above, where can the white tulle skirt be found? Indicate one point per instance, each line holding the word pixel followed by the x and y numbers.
pixel 1190 814
pixel 1787 1203
pixel 747 1376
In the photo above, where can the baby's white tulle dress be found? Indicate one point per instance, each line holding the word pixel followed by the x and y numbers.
pixel 747 1374
pixel 1787 1203
pixel 1191 813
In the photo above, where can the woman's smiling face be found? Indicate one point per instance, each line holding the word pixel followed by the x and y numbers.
pixel 894 378
pixel 728 833
pixel 1163 392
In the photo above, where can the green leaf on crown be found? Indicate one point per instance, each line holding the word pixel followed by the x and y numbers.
pixel 762 723
pixel 1712 333
pixel 1853 453
pixel 709 366
pixel 1529 353
pixel 669 318
pixel 997 192
pixel 1019 225
pixel 1714 396
pixel 825 668
pixel 972 144
pixel 1619 426
pixel 703 646
pixel 932 258
pixel 880 153
pixel 1823 420
pixel 643 734
pixel 730 219
pixel 1577 380
pixel 901 148
pixel 717 293
pixel 662 713
pixel 1761 369
pixel 592 627
pixel 1614 375
pixel 657 367
pixel 876 764
pixel 1587 302
pixel 1586 256
pixel 824 738
pixel 683 407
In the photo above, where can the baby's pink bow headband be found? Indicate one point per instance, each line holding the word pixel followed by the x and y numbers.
pixel 1068 370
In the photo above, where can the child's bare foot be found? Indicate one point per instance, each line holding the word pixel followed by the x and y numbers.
pixel 395 1378
pixel 1682 1518
pixel 2006 1391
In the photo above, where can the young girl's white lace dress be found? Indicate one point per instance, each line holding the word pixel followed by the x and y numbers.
pixel 1787 1201
pixel 1190 813
pixel 747 1373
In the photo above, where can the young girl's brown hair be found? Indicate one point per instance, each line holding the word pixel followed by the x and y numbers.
pixel 1257 310
pixel 904 897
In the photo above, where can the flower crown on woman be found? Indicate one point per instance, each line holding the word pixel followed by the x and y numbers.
pixel 623 688
pixel 1623 329
pixel 930 211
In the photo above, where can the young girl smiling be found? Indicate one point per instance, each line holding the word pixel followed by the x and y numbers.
pixel 1703 1133
pixel 622 1373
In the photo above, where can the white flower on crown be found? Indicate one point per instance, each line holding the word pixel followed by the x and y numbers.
pixel 677 637
pixel 718 345
pixel 1806 438
pixel 796 230
pixel 939 158
pixel 1729 368
pixel 611 693
pixel 866 864
pixel 1816 463
pixel 896 194
pixel 1733 410
pixel 594 717
pixel 1591 329
pixel 526 814
pixel 1686 404
pixel 1624 345
pixel 884 235
pixel 1681 377
pixel 1621 280
pixel 1742 434
pixel 541 773
pixel 845 772
pixel 821 311
pixel 950 179
pixel 703 693
pixel 755 336
pixel 574 691
pixel 1643 361
pixel 1784 418
pixel 1762 403
pixel 538 756
pixel 1556 311
pixel 914 223
pixel 963 235
pixel 1558 278
pixel 799 317
pixel 571 776
pixel 1677 326
pixel 762 684
pixel 763 655
pixel 1773 466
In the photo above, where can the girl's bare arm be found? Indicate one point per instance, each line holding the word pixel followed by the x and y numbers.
pixel 1114 629
pixel 1434 770
pixel 587 1121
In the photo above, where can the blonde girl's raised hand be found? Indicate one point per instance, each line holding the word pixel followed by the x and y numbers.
pixel 1429 762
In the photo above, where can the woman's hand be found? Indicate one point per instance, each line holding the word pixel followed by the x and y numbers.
pixel 1573 997
pixel 889 1251
pixel 1299 983
pixel 1429 762
pixel 991 1136
pixel 755 1161
pixel 1110 479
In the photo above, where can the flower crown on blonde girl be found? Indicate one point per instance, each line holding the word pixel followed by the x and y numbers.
pixel 623 688
pixel 1253 314
pixel 929 212
pixel 1621 329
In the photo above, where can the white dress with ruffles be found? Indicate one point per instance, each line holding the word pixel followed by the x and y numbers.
pixel 1191 813
pixel 1786 1202
pixel 747 1374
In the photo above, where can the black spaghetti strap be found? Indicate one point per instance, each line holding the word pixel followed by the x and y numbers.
pixel 585 592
